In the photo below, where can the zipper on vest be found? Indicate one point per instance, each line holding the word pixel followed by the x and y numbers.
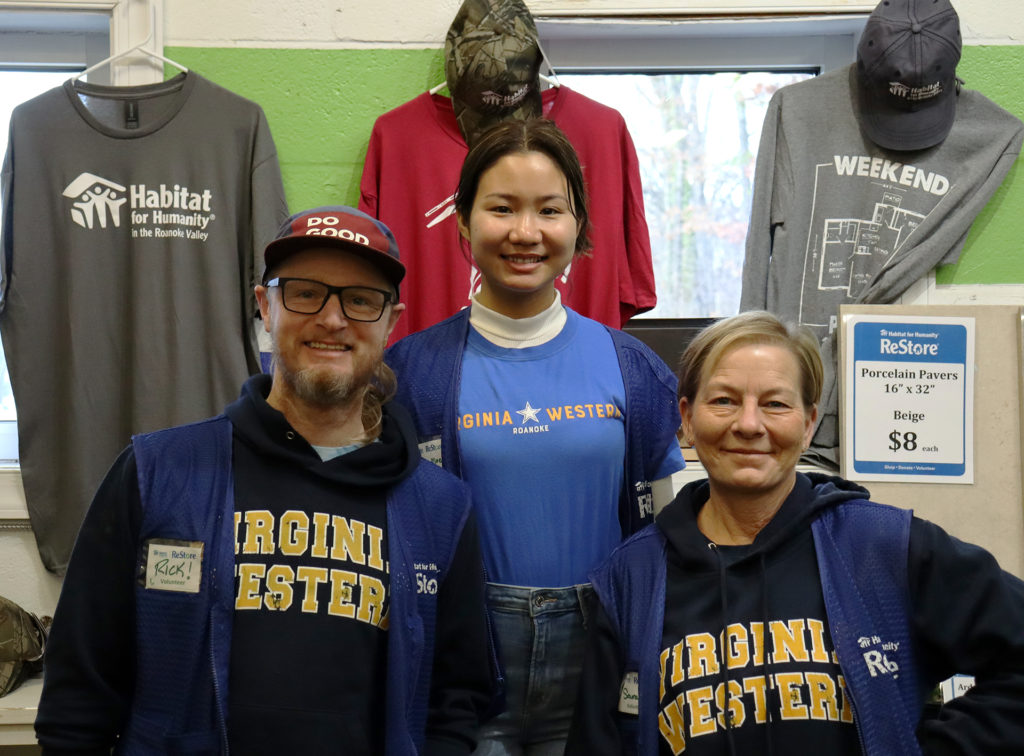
pixel 221 719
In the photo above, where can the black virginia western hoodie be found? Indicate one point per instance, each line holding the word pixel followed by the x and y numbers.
pixel 309 641
pixel 967 616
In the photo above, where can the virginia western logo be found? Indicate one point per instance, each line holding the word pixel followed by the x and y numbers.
pixel 696 700
pixel 538 419
pixel 96 200
pixel 156 211
pixel 314 563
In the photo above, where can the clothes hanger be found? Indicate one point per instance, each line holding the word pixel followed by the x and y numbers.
pixel 551 81
pixel 139 48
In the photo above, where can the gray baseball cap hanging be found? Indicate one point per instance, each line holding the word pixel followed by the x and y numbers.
pixel 906 73
pixel 492 64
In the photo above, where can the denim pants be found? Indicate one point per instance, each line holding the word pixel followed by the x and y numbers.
pixel 540 633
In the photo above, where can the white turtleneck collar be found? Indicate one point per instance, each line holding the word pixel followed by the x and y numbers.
pixel 518 333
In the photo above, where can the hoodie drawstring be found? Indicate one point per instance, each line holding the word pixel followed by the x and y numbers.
pixel 723 661
pixel 769 649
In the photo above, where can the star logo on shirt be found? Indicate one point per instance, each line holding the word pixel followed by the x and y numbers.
pixel 528 413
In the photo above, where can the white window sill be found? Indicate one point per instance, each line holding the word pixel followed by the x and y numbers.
pixel 12 495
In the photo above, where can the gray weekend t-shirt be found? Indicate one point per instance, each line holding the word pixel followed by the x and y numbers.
pixel 836 219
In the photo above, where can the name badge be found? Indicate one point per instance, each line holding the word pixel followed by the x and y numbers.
pixel 173 565
pixel 430 450
pixel 629 694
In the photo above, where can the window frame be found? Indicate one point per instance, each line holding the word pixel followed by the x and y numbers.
pixel 692 8
pixel 61 36
pixel 48 40
pixel 819 43
pixel 127 23
pixel 824 42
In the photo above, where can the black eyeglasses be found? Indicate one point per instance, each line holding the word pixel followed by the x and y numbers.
pixel 308 297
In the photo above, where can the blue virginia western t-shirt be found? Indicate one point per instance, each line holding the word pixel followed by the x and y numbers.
pixel 542 435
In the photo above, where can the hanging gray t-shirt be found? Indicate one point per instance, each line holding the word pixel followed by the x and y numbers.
pixel 838 220
pixel 134 224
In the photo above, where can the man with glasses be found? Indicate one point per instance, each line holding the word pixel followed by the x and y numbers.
pixel 287 577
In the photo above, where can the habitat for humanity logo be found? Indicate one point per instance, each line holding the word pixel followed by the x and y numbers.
pixel 156 212
pixel 96 200
pixel 879 656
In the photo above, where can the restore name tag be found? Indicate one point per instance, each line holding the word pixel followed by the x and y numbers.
pixel 629 694
pixel 430 450
pixel 174 565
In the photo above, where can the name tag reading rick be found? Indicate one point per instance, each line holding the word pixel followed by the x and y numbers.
pixel 173 565
pixel 629 693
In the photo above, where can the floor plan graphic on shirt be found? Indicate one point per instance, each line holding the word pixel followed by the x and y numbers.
pixel 844 253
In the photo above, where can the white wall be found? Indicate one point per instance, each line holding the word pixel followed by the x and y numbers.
pixel 423 23
pixel 25 581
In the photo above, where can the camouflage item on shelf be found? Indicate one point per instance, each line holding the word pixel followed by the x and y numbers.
pixel 22 640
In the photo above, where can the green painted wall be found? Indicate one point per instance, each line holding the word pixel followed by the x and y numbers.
pixel 321 105
pixel 994 252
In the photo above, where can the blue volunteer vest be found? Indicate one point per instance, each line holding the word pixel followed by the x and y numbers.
pixel 183 640
pixel 431 395
pixel 862 558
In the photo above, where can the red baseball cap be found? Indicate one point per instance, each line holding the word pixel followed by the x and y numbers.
pixel 338 226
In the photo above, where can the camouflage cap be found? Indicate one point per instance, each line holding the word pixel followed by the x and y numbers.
pixel 492 64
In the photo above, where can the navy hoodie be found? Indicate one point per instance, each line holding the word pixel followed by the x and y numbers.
pixel 967 616
pixel 307 675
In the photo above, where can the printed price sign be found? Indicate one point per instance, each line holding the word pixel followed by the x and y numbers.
pixel 909 398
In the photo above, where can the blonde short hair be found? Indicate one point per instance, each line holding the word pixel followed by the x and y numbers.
pixel 754 327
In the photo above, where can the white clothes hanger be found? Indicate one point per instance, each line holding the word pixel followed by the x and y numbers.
pixel 139 48
pixel 551 81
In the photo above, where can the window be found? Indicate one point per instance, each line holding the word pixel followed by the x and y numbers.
pixel 693 95
pixel 40 49
pixel 16 86
pixel 696 136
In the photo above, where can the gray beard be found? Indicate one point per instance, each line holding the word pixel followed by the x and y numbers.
pixel 321 388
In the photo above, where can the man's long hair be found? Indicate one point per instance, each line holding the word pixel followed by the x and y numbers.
pixel 379 391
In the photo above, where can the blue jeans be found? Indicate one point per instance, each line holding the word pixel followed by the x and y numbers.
pixel 540 633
